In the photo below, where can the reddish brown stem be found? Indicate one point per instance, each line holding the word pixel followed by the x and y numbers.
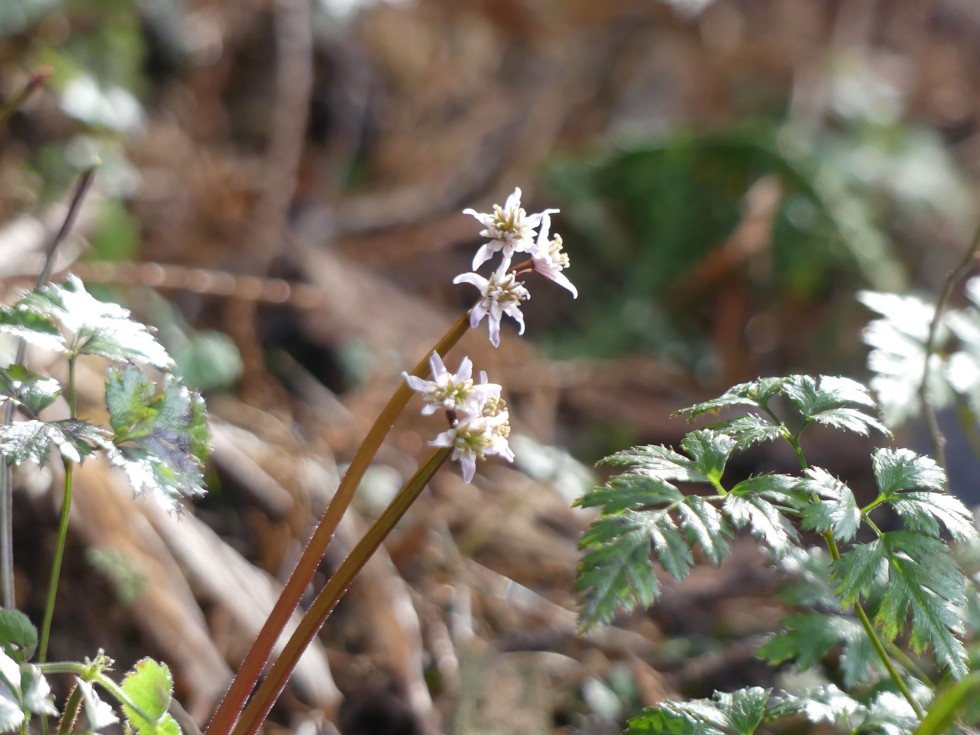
pixel 258 655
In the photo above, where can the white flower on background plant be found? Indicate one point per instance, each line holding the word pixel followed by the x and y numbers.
pixel 477 437
pixel 548 257
pixel 510 229
pixel 500 294
pixel 452 391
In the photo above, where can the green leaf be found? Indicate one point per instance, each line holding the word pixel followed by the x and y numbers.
pixel 616 570
pixel 816 395
pixel 828 400
pixel 898 355
pixel 890 714
pixel 630 491
pixel 18 636
pixel 150 686
pixel 858 570
pixel 31 390
pixel 823 704
pixel 161 434
pixel 902 469
pixel 753 394
pixel 92 327
pixel 706 526
pixel 642 512
pixel 32 440
pixel 924 511
pixel 925 581
pixel 850 419
pixel 708 452
pixel 833 509
pixel 750 430
pixel 763 518
pixel 739 712
pixel 808 637
pixel 34 327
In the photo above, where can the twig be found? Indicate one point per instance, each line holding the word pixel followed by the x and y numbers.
pixel 6 496
pixel 928 410
pixel 36 81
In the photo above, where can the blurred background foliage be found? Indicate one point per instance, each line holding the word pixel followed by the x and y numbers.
pixel 730 175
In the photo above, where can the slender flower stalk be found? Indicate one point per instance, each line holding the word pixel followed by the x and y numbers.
pixel 478 428
pixel 261 650
pixel 270 689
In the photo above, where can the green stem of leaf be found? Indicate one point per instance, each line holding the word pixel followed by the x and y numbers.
pixel 270 689
pixel 258 655
pixel 59 554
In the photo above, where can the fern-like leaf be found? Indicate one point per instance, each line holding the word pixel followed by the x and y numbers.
pixel 740 713
pixel 832 400
pixel 834 508
pixel 643 513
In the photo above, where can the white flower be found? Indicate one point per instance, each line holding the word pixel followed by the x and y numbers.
pixel 477 437
pixel 510 229
pixel 549 259
pixel 450 391
pixel 500 294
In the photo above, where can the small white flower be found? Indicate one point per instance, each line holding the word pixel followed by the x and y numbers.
pixel 510 229
pixel 446 390
pixel 548 257
pixel 500 294
pixel 476 438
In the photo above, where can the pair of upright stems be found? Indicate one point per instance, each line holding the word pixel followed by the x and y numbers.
pixel 229 718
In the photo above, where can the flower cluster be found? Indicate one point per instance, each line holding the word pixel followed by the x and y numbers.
pixel 512 230
pixel 478 417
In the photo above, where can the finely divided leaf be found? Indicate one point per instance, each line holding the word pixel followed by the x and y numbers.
pixel 616 571
pixel 808 637
pixel 705 525
pixel 924 580
pixel 709 451
pixel 902 469
pixel 858 570
pixel 630 491
pixel 821 704
pixel 833 508
pixel 924 511
pixel 161 433
pixel 764 520
pixel 740 712
pixel 754 394
pixel 643 513
pixel 830 400
pixel 898 355
pixel 150 686
pixel 750 430
pixel 92 327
